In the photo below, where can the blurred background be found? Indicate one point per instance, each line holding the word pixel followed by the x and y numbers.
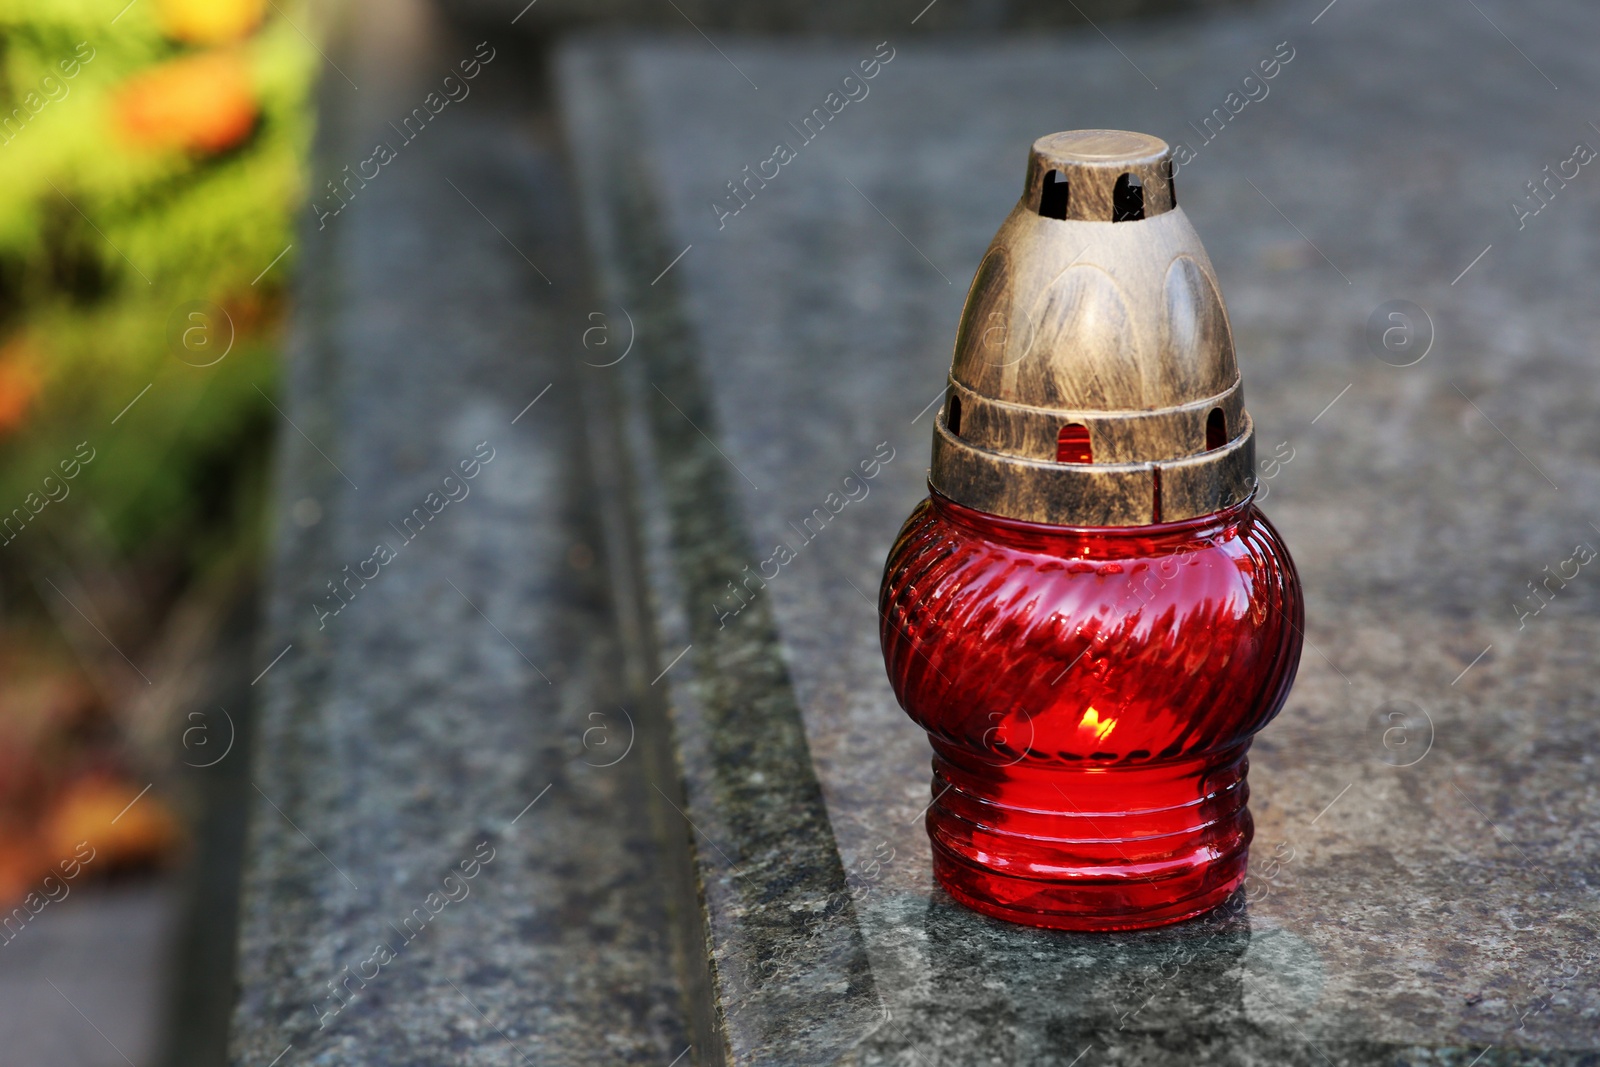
pixel 151 158
pixel 154 160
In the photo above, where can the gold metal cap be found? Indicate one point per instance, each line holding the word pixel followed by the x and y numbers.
pixel 1094 380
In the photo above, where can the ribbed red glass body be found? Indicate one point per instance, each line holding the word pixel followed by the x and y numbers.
pixel 1090 694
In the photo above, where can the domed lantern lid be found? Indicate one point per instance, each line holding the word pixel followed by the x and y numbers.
pixel 1094 381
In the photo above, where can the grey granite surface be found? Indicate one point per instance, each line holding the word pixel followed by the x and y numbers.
pixel 1420 896
pixel 81 985
pixel 453 855
pixel 815 17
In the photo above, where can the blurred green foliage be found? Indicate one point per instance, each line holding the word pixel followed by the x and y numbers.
pixel 103 243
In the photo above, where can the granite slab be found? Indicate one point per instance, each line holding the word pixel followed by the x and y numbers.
pixel 80 983
pixel 453 856
pixel 1422 880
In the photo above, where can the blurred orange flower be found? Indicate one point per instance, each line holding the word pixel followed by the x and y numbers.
pixel 124 828
pixel 209 21
pixel 19 384
pixel 22 863
pixel 202 103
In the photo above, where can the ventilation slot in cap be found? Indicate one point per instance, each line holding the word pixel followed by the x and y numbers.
pixel 1053 197
pixel 1127 200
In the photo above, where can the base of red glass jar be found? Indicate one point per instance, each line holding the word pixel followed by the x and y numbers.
pixel 1079 906
pixel 1007 848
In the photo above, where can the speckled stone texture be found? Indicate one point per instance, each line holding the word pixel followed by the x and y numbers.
pixel 1421 887
pixel 822 16
pixel 478 673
